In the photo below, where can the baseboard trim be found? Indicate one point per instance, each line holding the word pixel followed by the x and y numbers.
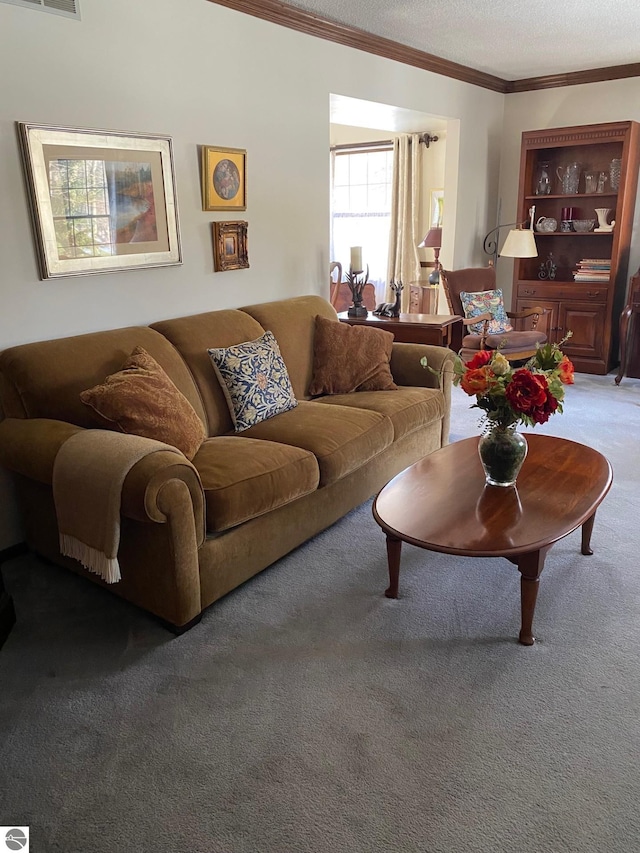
pixel 7 610
pixel 7 616
pixel 13 551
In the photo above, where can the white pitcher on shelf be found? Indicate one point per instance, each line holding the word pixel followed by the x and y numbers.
pixel 603 215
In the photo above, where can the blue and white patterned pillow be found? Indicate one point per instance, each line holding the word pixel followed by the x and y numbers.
pixel 255 380
pixel 483 302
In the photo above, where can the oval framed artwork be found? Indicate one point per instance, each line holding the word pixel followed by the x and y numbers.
pixel 224 185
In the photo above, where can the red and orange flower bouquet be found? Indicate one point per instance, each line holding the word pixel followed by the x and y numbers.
pixel 528 395
pixel 509 396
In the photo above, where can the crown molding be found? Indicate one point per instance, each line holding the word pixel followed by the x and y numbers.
pixel 574 78
pixel 315 25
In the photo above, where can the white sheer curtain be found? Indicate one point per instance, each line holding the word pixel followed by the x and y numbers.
pixel 404 262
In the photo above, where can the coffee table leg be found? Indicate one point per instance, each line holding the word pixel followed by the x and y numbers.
pixel 587 529
pixel 530 567
pixel 394 547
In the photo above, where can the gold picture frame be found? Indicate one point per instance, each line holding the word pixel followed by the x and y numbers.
pixel 230 249
pixel 100 200
pixel 224 178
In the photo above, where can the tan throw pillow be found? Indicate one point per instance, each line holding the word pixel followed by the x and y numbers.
pixel 350 358
pixel 142 400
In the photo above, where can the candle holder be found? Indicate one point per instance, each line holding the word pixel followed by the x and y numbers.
pixel 356 286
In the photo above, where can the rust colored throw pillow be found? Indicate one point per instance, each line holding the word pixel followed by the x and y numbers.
pixel 141 399
pixel 350 358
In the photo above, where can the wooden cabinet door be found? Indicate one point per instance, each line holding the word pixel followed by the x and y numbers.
pixel 586 323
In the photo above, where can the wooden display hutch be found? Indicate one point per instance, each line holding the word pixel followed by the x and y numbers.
pixel 590 310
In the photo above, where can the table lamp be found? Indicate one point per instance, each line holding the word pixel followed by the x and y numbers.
pixel 433 240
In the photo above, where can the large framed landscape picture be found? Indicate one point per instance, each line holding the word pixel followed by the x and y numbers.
pixel 100 200
pixel 224 184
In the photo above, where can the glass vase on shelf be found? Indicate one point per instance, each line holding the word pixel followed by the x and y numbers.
pixel 614 173
pixel 543 179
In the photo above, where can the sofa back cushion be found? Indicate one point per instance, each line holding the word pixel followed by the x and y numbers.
pixel 193 336
pixel 45 379
pixel 293 323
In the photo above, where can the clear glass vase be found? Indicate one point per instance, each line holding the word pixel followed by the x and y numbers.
pixel 502 451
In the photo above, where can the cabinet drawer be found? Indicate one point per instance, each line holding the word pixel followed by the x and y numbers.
pixel 583 292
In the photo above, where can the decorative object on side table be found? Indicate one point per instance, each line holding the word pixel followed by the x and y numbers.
pixel 508 396
pixel 230 246
pixel 356 283
pixel 391 309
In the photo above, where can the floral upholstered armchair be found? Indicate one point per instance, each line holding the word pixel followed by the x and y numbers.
pixel 471 294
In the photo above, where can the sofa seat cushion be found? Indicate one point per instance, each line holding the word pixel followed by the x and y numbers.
pixel 409 409
pixel 243 478
pixel 342 438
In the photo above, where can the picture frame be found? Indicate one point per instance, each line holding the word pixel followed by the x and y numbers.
pixel 224 178
pixel 230 249
pixel 100 200
pixel 436 205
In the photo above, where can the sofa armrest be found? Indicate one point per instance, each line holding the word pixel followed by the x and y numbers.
pixel 407 370
pixel 158 483
pixel 28 446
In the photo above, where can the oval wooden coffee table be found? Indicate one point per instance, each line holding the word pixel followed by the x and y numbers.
pixel 443 504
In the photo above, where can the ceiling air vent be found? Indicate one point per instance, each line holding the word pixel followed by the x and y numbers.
pixel 68 8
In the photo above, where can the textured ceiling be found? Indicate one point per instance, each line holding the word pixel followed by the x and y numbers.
pixel 511 39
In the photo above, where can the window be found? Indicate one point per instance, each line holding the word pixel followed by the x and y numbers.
pixel 361 209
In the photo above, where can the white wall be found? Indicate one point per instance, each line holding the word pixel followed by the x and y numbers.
pixel 616 100
pixel 204 74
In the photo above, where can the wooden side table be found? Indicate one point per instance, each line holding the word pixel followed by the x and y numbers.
pixel 444 330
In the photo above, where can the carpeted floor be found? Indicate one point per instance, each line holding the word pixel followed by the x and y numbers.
pixel 307 712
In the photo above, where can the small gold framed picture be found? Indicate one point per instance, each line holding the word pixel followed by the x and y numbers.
pixel 230 246
pixel 224 178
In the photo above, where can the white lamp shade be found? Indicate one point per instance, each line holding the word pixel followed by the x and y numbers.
pixel 520 244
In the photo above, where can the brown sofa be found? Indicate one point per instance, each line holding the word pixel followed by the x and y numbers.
pixel 190 536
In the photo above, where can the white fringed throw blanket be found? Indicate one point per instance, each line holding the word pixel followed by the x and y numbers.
pixel 88 473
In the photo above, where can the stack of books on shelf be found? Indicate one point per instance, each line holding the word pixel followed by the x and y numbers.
pixel 593 269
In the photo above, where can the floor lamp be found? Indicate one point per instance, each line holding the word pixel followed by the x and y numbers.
pixel 520 242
